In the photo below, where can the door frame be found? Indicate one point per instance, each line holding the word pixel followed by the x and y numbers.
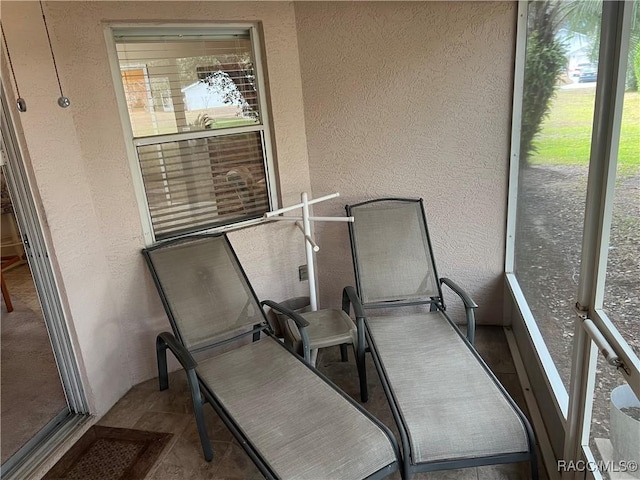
pixel 30 224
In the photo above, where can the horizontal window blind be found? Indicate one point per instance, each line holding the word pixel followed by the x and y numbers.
pixel 195 184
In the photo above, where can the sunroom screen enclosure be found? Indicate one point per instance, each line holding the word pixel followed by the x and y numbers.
pixel 573 264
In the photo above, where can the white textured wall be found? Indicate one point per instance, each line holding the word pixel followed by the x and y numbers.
pixel 412 99
pixel 82 174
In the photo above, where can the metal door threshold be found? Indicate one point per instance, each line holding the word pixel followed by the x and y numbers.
pixel 40 453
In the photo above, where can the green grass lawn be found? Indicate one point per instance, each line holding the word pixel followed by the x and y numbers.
pixel 566 134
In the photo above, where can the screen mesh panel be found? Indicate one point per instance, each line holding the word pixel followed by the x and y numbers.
pixel 205 289
pixel 392 252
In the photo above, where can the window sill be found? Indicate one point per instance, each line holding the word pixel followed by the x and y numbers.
pixel 552 377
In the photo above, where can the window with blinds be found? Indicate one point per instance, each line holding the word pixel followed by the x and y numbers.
pixel 193 103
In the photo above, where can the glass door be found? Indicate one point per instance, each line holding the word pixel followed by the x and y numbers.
pixel 42 396
pixel 32 393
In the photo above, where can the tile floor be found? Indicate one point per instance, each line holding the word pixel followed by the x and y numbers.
pixel 145 407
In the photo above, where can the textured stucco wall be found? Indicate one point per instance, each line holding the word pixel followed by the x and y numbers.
pixel 81 170
pixel 412 99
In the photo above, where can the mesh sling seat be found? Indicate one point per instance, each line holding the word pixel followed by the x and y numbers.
pixel 291 420
pixel 450 410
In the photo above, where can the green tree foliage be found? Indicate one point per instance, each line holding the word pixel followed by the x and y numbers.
pixel 545 60
pixel 583 16
pixel 545 56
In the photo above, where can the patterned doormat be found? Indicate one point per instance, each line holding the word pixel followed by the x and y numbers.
pixel 107 453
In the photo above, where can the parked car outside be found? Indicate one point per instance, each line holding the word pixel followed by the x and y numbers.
pixel 574 72
pixel 588 74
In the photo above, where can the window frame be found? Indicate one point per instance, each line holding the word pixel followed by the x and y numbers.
pixel 132 142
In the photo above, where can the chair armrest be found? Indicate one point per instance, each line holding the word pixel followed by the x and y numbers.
pixel 296 317
pixel 300 322
pixel 469 306
pixel 468 302
pixel 167 340
pixel 181 353
pixel 350 297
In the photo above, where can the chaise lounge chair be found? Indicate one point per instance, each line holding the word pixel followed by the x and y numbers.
pixel 449 408
pixel 291 420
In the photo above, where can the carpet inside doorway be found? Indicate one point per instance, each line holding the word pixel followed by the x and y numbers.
pixel 107 453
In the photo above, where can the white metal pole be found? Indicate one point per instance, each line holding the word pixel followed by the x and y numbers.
pixel 306 223
pixel 331 219
pixel 313 219
pixel 299 205
pixel 315 246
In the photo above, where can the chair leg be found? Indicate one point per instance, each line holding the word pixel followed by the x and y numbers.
pixel 5 295
pixel 161 355
pixel 361 364
pixel 344 353
pixel 533 460
pixel 534 470
pixel 199 414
